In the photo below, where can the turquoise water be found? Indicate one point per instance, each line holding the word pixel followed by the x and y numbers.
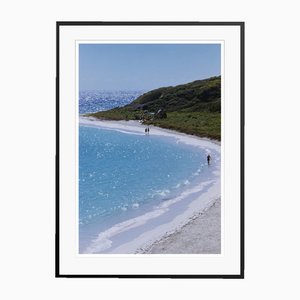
pixel 122 176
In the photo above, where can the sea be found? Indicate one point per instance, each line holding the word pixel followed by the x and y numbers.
pixel 91 101
pixel 123 175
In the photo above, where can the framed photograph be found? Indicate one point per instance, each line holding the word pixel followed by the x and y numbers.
pixel 150 149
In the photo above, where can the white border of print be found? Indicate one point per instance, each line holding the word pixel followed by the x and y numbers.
pixel 229 261
pixel 77 43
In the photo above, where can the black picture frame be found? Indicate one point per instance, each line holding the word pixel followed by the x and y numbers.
pixel 241 25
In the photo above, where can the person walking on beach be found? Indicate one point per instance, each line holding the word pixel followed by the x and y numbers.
pixel 148 130
pixel 208 159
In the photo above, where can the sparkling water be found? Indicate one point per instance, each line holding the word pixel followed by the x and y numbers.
pixel 91 101
pixel 124 175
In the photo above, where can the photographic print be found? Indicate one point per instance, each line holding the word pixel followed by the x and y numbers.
pixel 149 149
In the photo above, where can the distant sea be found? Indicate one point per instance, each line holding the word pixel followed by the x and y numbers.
pixel 91 101
pixel 123 176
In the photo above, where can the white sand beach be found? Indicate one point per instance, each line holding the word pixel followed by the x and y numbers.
pixel 200 235
pixel 194 217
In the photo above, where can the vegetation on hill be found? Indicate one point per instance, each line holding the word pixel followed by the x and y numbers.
pixel 200 95
pixel 202 124
pixel 193 108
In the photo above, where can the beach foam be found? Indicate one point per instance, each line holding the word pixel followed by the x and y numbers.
pixel 104 239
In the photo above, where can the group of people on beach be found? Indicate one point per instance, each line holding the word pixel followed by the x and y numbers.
pixel 147 130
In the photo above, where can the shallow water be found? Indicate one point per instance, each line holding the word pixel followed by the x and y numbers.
pixel 122 176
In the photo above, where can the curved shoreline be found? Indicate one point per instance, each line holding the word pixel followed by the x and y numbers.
pixel 137 128
pixel 180 211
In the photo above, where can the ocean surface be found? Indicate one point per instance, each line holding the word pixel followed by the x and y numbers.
pixel 93 101
pixel 126 175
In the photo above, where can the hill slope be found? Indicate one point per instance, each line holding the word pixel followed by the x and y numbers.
pixel 193 108
pixel 200 95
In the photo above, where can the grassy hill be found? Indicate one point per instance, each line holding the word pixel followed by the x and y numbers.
pixel 200 95
pixel 193 108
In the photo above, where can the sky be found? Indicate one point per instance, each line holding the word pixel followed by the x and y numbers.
pixel 145 66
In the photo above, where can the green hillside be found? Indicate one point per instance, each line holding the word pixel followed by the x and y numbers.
pixel 193 108
pixel 200 95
